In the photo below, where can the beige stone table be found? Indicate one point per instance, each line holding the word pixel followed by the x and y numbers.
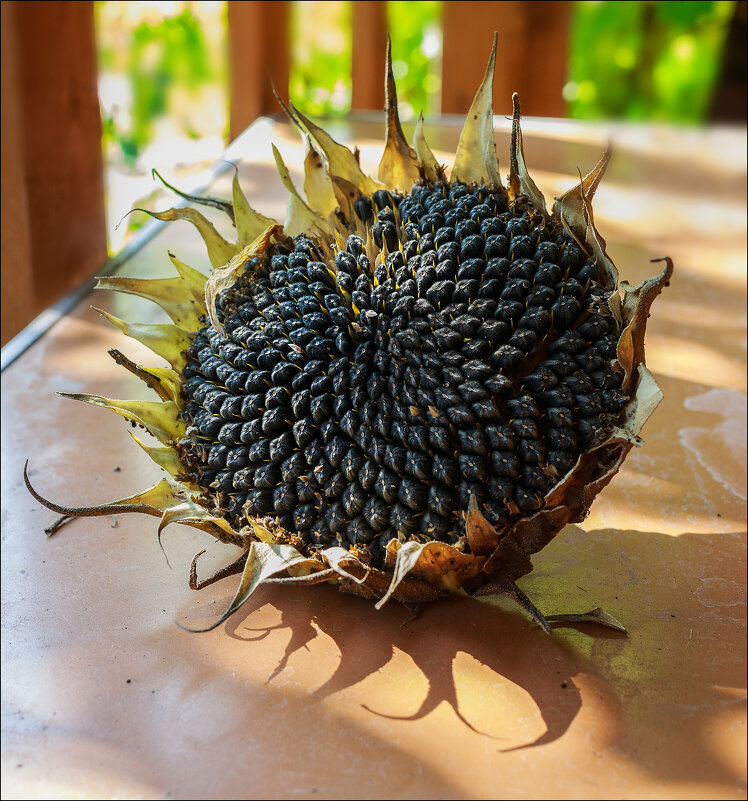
pixel 309 693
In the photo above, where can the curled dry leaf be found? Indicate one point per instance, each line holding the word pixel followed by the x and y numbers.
pixel 599 616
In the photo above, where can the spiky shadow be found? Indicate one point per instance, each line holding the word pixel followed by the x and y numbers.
pixel 505 642
pixel 620 677
pixel 301 636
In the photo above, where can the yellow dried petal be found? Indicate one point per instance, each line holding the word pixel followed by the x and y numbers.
pixel 158 418
pixel 164 340
pixel 249 223
pixel 171 294
pixel 219 250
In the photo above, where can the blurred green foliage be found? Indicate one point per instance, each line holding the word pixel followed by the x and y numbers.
pixel 321 57
pixel 321 50
pixel 415 31
pixel 172 52
pixel 160 56
pixel 645 59
pixel 628 59
pixel 163 69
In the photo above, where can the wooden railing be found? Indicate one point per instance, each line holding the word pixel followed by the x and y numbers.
pixel 533 40
pixel 53 223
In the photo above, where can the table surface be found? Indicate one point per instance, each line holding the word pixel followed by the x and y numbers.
pixel 306 692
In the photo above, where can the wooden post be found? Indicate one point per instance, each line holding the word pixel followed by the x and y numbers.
pixel 548 24
pixel 53 219
pixel 729 98
pixel 369 42
pixel 15 243
pixel 531 58
pixel 259 53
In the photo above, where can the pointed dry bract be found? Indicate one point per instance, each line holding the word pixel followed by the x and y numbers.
pixel 299 217
pixel 173 295
pixel 432 170
pixel 476 160
pixel 249 223
pixel 520 182
pixel 574 209
pixel 340 161
pixel 160 419
pixel 202 200
pixel 219 250
pixel 317 184
pixel 398 168
pixel 167 341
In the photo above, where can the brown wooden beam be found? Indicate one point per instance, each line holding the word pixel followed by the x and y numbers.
pixel 53 219
pixel 259 53
pixel 369 43
pixel 531 58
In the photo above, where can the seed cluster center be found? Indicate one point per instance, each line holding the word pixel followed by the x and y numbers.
pixel 356 401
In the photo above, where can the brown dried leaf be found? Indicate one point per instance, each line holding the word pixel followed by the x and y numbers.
pixel 520 182
pixel 482 536
pixel 432 563
pixel 635 311
pixel 337 558
pixel 526 537
pixel 599 616
pixel 263 561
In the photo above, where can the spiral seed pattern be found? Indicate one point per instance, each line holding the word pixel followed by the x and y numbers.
pixel 354 401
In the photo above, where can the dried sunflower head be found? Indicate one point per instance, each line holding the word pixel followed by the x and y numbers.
pixel 407 388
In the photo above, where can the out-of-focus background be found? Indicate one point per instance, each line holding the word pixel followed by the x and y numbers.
pixel 97 94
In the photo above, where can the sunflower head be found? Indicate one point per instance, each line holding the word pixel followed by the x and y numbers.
pixel 408 387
